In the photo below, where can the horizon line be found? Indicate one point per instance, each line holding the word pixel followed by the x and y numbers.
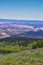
pixel 21 19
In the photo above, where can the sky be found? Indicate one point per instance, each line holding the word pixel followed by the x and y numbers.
pixel 21 9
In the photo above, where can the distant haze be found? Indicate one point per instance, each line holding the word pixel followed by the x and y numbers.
pixel 21 28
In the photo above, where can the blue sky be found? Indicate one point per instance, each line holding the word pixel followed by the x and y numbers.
pixel 21 9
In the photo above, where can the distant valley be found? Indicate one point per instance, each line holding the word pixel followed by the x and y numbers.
pixel 21 28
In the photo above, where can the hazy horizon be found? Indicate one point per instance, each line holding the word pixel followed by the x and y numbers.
pixel 21 9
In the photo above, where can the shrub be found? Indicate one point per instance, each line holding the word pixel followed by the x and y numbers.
pixel 37 44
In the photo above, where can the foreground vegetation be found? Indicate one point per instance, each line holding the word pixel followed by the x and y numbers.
pixel 21 54
pixel 32 57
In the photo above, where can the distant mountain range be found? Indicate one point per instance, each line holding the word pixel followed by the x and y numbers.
pixel 21 28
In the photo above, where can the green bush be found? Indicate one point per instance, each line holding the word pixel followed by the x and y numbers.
pixel 38 44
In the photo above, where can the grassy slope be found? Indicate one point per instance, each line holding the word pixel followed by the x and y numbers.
pixel 21 55
pixel 27 57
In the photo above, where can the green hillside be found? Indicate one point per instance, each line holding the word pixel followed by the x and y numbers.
pixel 26 54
